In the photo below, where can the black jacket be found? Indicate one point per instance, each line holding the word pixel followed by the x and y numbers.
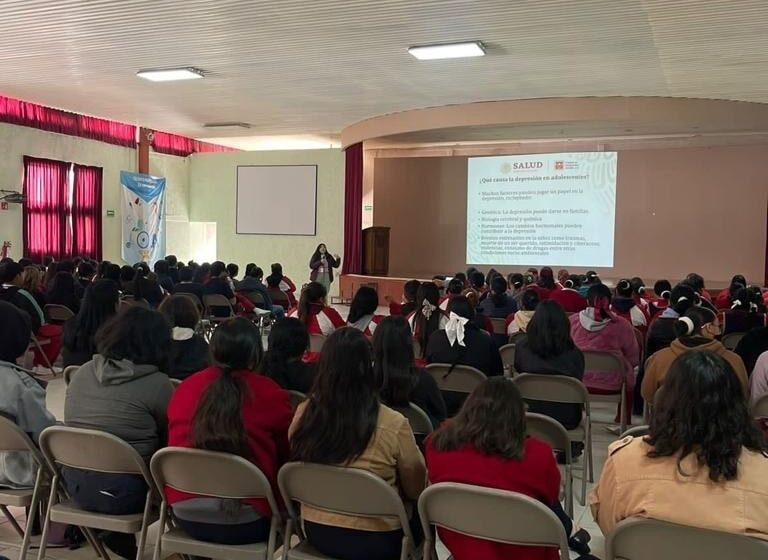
pixel 11 295
pixel 479 351
pixel 249 284
pixel 754 343
pixel 188 357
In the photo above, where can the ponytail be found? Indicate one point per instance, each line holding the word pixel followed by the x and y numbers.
pixel 690 324
pixel 314 292
pixel 599 298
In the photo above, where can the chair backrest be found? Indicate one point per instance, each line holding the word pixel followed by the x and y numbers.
pixel 731 340
pixel 193 297
pixel 58 313
pixel 13 438
pixel 648 539
pixel 216 300
pixel 255 298
pixel 490 514
pixel 459 378
pixel 69 373
pixel 297 397
pixel 507 353
pixel 417 418
pixel 189 470
pixel 316 342
pixel 499 325
pixel 91 450
pixel 549 431
pixel 340 490
pixel 760 408
pixel 552 388
pixel 636 431
pixel 279 297
pixel 516 336
pixel 131 301
pixel 606 362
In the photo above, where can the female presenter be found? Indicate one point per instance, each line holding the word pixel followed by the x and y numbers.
pixel 322 264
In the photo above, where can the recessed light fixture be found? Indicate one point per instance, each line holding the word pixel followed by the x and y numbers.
pixel 448 50
pixel 170 74
pixel 226 125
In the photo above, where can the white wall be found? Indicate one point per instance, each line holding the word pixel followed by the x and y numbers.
pixel 18 141
pixel 213 181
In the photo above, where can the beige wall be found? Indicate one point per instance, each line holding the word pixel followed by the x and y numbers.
pixel 677 210
pixel 18 141
pixel 213 190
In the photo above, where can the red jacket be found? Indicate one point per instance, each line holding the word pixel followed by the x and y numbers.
pixel 267 413
pixel 536 475
pixel 570 300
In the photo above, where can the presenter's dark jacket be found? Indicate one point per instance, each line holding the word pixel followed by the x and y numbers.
pixel 316 264
pixel 479 351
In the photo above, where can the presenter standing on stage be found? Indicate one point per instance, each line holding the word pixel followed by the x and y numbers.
pixel 322 264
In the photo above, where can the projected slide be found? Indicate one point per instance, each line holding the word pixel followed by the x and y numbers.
pixel 542 209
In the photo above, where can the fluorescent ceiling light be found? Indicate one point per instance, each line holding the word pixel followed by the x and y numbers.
pixel 170 74
pixel 226 125
pixel 448 50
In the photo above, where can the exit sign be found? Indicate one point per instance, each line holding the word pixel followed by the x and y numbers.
pixel 110 213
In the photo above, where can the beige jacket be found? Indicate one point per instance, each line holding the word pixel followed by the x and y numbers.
pixel 393 455
pixel 633 485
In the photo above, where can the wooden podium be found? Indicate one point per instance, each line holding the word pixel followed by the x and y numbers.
pixel 376 251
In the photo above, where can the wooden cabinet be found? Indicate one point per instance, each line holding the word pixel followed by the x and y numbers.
pixel 376 251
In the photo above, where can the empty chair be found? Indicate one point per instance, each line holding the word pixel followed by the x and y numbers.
pixel 95 451
pixel 610 365
pixel 499 516
pixel 552 432
pixel 214 302
pixel 341 490
pixel 649 539
pixel 189 470
pixel 507 353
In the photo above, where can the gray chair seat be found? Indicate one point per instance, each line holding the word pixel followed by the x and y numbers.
pixel 69 512
pixel 16 498
pixel 179 542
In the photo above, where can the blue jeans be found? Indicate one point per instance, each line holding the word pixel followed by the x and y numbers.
pixel 278 311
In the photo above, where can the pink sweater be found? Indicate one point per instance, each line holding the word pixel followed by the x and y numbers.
pixel 613 335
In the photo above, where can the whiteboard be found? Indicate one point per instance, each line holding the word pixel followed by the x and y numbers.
pixel 276 199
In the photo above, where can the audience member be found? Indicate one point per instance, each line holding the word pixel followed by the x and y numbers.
pixel 751 346
pixel 164 280
pixel 696 281
pixel 344 423
pixel 758 381
pixel 426 318
pixel 86 272
pixel 498 304
pixel 625 305
pixel 98 306
pixel 518 322
pixel 252 283
pixel 408 306
pixel 229 408
pixel 232 271
pixel 725 297
pixel 455 288
pixel 218 283
pixel 111 272
pixel 173 268
pixel 546 280
pixel 314 313
pixel 747 312
pixel 288 340
pixel 702 465
pixel 186 285
pixel 63 292
pixel 696 331
pixel 661 332
pixel 189 350
pixel 515 283
pixel 569 297
pixel 127 274
pixel 362 311
pixel 33 283
pixel 548 349
pixel 285 284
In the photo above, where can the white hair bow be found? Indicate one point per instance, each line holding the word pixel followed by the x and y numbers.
pixel 454 329
pixel 427 309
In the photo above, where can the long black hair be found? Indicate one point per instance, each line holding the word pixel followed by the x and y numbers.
pixel 365 302
pixel 546 278
pixel 139 335
pixel 217 424
pixel 316 255
pixel 98 306
pixel 424 326
pixel 393 360
pixel 549 332
pixel 702 410
pixel 499 291
pixel 313 294
pixel 342 411
pixel 288 340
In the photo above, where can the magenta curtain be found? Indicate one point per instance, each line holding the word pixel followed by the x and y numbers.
pixel 86 212
pixel 353 209
pixel 45 209
pixel 23 113
pixel 175 145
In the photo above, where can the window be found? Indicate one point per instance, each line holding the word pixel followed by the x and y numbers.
pixel 62 210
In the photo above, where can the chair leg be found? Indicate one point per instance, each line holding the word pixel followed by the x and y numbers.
pixel 48 363
pixel 569 489
pixel 144 526
pixel 33 511
pixel 156 555
pixel 589 447
pixel 94 543
pixel 47 523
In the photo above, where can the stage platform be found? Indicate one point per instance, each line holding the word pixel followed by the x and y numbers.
pixel 390 288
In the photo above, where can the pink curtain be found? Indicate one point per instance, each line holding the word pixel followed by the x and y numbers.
pixel 175 145
pixel 353 209
pixel 45 208
pixel 23 113
pixel 86 212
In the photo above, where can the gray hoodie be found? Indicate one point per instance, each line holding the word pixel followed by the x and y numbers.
pixel 122 398
pixel 22 399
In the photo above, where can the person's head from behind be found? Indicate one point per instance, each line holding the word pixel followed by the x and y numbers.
pixel 186 274
pixel 682 298
pixel 573 282
pixel 492 420
pixel 312 294
pixel 663 288
pixel 462 307
pixel 218 269
pixel 142 269
pixel 429 293
pixel 477 280
pixel 233 270
pixel 756 301
pixel 455 286
pixel 12 273
pixel 701 410
pixel 127 273
pixel 696 281
pixel 599 298
pixel 342 411
pixel 161 267
pixel 462 277
pixel 393 360
pixel 180 311
pixel 549 332
pixel 288 340
pixel 86 270
pixel 33 279
pixel 137 335
pixel 592 278
pixel 410 290
pixel 638 285
pixel 499 285
pixel 697 322
pixel 365 302
pixel 562 275
pixel 530 300
pixel 15 332
pixel 273 281
pixel 624 288
pixel 111 272
pixel 528 279
pixel 217 424
pixel 63 283
pixel 172 260
pixel 546 278
pixel 515 281
pixel 737 282
pixel 277 269
pixel 99 304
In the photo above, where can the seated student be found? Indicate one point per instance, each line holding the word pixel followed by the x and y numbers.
pixel 477 283
pixel 85 274
pixel 22 398
pixel 426 317
pixel 747 312
pixel 725 297
pixel 127 274
pixel 252 283
pixel 232 271
pixel 486 445
pixel 462 277
pixel 12 277
pixel 515 283
pixel 410 290
pixel 202 273
pixel 702 465
pixel 549 349
pixel 314 313
pixel 546 280
pixel 362 310
pixel 498 304
pixel 661 331
pixel 696 331
pixel 344 423
pixel 462 342
pixel 33 283
pixel 218 283
pixel 518 321
pixel 590 279
pixel 751 346
pixel 99 305
pixel 569 297
pixel 122 391
pixel 596 328
pixel 173 267
pixel 283 363
pixel 164 279
pixel 696 281
pixel 455 288
pixel 63 292
pixel 111 271
pixel 145 286
pixel 624 305
pixel 285 284
pixel 758 381
pixel 402 381
pixel 562 276
pixel 278 296
pixel 230 408
pixel 658 301
pixel 188 353
pixel 186 285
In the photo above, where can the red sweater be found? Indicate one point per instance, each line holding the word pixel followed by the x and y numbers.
pixel 536 475
pixel 267 413
pixel 570 300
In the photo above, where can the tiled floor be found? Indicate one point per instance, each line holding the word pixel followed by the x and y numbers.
pixel 602 415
